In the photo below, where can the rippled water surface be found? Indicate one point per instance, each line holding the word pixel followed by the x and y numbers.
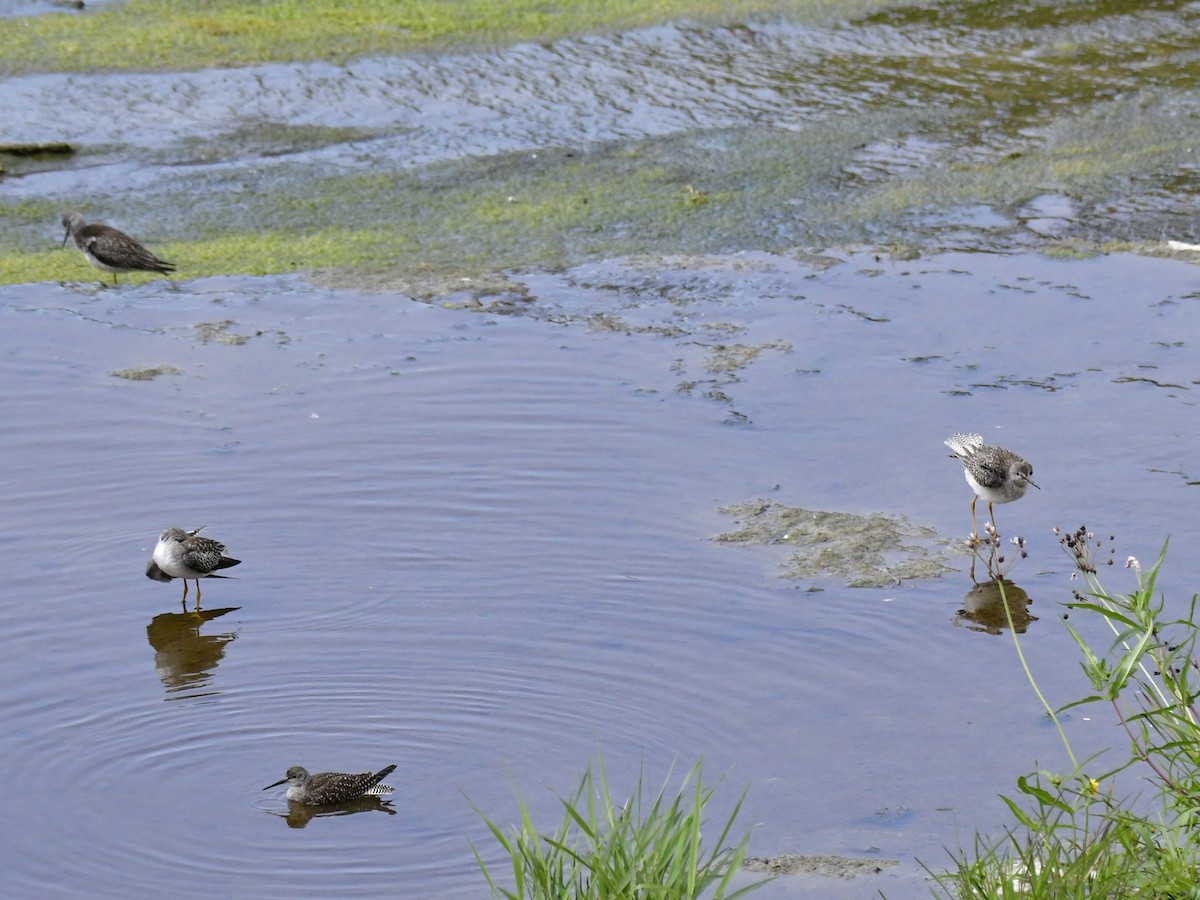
pixel 478 533
pixel 477 546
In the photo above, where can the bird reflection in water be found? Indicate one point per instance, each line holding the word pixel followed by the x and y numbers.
pixel 300 814
pixel 983 608
pixel 183 657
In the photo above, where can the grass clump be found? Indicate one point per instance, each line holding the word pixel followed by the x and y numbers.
pixel 602 849
pixel 1075 836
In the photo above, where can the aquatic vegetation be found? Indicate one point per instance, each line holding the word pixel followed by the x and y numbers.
pixel 611 850
pixel 1074 835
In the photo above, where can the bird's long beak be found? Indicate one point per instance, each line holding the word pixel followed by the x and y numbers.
pixel 276 784
pixel 65 236
pixel 1027 481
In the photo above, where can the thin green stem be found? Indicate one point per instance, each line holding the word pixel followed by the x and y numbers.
pixel 1033 682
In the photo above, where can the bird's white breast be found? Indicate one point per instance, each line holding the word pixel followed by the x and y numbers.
pixel 171 563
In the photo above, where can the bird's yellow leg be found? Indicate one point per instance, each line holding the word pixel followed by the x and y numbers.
pixel 974 527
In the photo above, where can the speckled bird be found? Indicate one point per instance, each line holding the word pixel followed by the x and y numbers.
pixel 995 474
pixel 110 250
pixel 332 787
pixel 186 555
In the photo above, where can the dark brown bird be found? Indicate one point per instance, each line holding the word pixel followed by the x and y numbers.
pixel 110 250
pixel 332 787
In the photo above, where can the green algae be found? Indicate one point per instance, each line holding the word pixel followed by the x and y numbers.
pixel 765 188
pixel 991 130
pixel 551 208
pixel 479 215
pixel 166 35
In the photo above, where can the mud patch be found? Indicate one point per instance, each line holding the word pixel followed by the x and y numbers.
pixel 450 286
pixel 220 333
pixel 146 373
pixel 731 357
pixel 618 325
pixel 266 138
pixel 873 550
pixel 827 866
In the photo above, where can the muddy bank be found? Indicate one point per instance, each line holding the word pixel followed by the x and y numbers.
pixel 900 131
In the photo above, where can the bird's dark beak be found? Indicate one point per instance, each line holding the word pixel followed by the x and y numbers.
pixel 276 784
pixel 1027 481
pixel 65 236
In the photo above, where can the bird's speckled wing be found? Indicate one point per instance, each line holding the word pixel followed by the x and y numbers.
pixel 987 476
pixel 202 554
pixel 115 248
pixel 337 787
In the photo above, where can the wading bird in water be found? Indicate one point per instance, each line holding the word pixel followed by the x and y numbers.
pixel 332 787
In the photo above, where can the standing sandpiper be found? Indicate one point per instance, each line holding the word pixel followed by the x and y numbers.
pixel 184 554
pixel 110 250
pixel 332 787
pixel 995 474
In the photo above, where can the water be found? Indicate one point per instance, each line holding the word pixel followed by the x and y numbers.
pixel 477 546
pixel 477 541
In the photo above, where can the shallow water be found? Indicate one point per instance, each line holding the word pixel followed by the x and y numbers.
pixel 477 538
pixel 477 546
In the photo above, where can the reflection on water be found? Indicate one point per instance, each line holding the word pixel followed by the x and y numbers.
pixel 183 657
pixel 999 557
pixel 983 608
pixel 300 814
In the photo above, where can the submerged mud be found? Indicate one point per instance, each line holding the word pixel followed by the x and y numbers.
pixel 827 866
pixel 874 550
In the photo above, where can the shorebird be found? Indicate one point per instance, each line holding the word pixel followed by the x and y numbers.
pixel 995 474
pixel 332 787
pixel 184 554
pixel 110 250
